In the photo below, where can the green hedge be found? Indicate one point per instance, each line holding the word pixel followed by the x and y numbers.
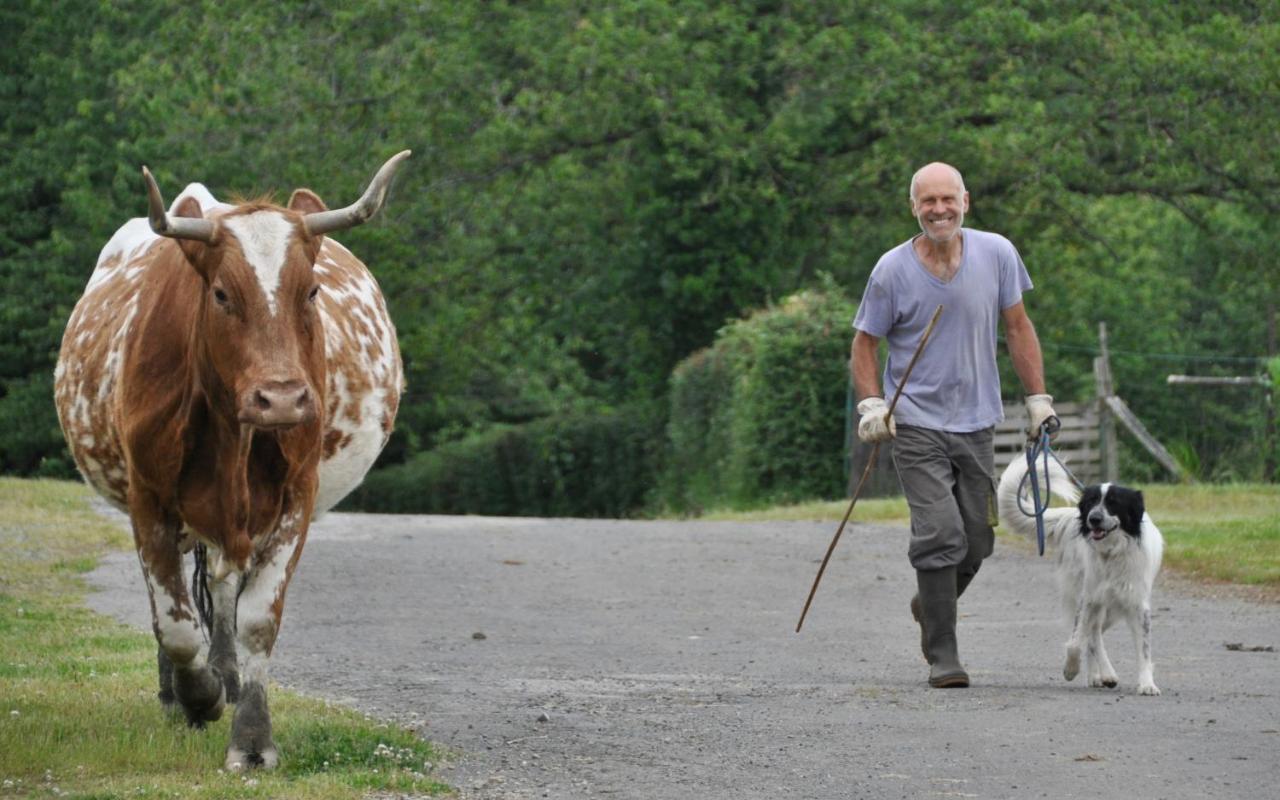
pixel 760 417
pixel 575 465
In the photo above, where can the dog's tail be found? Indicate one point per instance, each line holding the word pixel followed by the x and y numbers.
pixel 1012 516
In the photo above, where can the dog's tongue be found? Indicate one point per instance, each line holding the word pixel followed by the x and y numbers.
pixel 1097 533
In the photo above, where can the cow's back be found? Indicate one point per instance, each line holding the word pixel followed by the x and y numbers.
pixel 365 372
pixel 90 362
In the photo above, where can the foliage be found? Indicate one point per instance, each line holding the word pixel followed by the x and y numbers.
pixel 597 464
pixel 760 417
pixel 597 189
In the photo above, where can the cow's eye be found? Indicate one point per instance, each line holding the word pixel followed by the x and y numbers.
pixel 220 296
pixel 313 294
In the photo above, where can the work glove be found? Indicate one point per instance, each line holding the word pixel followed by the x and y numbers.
pixel 873 427
pixel 1040 412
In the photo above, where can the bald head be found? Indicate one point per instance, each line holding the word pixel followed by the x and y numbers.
pixel 932 173
pixel 939 201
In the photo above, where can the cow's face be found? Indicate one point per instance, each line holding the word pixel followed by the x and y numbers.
pixel 259 328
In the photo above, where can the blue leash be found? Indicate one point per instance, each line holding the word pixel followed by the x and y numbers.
pixel 1034 451
pixel 1040 449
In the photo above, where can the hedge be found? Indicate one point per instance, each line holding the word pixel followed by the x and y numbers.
pixel 759 417
pixel 574 465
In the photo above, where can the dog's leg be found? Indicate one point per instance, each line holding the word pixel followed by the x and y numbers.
pixel 1079 633
pixel 1140 625
pixel 1101 672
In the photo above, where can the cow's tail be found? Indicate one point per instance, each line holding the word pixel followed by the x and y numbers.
pixel 1019 516
pixel 200 592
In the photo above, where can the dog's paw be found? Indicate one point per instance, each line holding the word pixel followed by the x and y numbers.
pixel 1149 690
pixel 1102 682
pixel 1072 668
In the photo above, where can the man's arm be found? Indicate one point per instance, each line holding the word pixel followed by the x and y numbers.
pixel 866 365
pixel 1024 348
pixel 875 424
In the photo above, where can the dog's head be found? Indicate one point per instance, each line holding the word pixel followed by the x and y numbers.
pixel 1106 507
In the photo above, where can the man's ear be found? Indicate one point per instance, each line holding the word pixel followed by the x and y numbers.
pixel 193 250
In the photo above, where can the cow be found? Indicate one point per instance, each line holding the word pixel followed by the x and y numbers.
pixel 229 373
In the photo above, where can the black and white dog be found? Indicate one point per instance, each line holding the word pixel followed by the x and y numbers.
pixel 1108 552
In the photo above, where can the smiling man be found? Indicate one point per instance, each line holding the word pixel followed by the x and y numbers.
pixel 944 422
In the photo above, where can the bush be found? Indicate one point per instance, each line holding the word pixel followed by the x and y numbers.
pixel 760 417
pixel 576 465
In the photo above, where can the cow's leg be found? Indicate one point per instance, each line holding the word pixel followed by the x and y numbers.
pixel 173 616
pixel 222 642
pixel 259 610
pixel 165 668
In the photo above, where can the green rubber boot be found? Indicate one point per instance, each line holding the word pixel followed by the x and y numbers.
pixel 963 579
pixel 938 612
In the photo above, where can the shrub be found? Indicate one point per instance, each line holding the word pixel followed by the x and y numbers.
pixel 760 417
pixel 580 465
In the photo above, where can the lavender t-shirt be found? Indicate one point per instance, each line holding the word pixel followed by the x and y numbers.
pixel 955 386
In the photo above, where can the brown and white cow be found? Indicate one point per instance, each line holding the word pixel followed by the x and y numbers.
pixel 229 373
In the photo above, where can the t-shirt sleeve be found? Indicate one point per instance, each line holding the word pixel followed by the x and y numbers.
pixel 875 312
pixel 1014 279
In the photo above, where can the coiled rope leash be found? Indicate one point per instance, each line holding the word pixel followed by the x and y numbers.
pixel 1039 448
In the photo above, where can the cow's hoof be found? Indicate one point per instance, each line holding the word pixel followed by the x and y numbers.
pixel 199 717
pixel 239 761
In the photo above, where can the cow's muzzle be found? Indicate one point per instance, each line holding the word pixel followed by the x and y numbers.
pixel 274 405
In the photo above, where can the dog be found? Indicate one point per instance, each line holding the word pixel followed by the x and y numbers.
pixel 1108 552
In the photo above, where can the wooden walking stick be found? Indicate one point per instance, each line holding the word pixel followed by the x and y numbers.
pixel 871 462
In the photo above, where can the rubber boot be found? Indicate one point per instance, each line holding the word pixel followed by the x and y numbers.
pixel 963 579
pixel 938 610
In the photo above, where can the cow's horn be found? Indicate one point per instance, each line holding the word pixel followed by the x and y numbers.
pixel 173 227
pixel 361 210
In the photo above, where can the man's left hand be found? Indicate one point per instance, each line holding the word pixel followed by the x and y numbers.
pixel 1040 412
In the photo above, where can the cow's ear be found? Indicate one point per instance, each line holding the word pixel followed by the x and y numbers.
pixel 192 249
pixel 305 201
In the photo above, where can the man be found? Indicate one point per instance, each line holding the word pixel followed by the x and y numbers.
pixel 944 422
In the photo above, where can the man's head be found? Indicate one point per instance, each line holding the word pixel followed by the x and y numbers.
pixel 939 200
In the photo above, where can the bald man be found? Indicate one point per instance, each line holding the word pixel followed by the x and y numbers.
pixel 944 422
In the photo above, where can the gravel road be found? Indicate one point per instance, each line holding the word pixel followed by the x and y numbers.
pixel 654 660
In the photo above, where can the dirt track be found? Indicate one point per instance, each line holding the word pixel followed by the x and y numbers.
pixel 655 660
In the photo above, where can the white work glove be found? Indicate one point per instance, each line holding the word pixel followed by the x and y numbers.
pixel 1040 411
pixel 873 426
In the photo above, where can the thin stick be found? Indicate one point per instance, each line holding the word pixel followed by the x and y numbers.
pixel 871 462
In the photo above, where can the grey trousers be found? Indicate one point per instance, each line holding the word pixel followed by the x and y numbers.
pixel 950 488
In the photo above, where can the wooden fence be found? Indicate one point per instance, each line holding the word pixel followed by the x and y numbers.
pixel 1077 444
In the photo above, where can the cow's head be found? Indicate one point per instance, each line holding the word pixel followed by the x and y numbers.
pixel 259 330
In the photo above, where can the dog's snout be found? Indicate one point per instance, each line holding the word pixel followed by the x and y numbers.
pixel 1095 519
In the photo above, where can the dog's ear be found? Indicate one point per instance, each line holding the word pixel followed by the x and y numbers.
pixel 1131 516
pixel 1089 499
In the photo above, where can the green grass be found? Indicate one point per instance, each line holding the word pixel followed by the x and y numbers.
pixel 881 509
pixel 1228 533
pixel 78 711
pixel 1217 533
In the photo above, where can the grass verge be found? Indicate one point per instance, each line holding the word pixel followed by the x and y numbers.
pixel 1213 533
pixel 78 713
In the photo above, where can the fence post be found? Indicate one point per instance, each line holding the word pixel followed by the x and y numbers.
pixel 1110 460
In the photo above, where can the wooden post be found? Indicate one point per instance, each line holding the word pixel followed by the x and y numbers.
pixel 1110 465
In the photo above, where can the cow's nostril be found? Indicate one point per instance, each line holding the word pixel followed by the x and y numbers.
pixel 261 401
pixel 304 397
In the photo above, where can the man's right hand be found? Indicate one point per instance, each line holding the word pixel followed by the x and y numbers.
pixel 876 424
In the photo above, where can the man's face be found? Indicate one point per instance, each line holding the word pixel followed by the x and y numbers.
pixel 939 205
